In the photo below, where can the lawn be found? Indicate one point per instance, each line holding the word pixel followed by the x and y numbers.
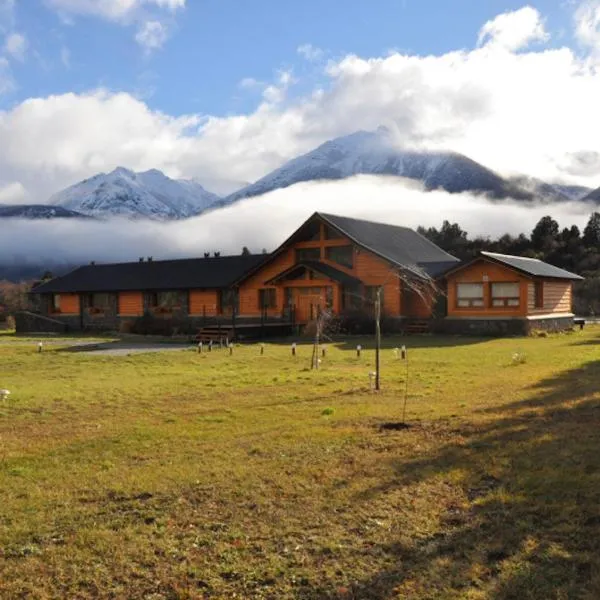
pixel 186 475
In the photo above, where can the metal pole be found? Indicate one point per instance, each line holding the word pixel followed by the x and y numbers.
pixel 377 337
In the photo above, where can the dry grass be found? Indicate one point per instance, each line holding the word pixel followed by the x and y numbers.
pixel 181 475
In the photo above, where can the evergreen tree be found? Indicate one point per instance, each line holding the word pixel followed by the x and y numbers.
pixel 591 233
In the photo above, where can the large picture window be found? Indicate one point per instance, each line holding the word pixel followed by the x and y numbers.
pixel 505 295
pixel 308 254
pixel 99 301
pixel 165 299
pixel 343 255
pixel 469 295
pixel 228 302
pixel 267 298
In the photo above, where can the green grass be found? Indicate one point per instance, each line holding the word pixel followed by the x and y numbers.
pixel 186 475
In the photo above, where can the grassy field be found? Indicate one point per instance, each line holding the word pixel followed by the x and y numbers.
pixel 179 475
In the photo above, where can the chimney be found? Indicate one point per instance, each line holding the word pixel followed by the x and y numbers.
pixel 149 259
pixel 217 254
pixel 206 254
pixel 92 262
pixel 141 259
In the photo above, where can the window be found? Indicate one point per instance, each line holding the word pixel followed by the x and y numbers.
pixel 316 275
pixel 308 254
pixel 55 302
pixel 351 298
pixel 228 302
pixel 538 294
pixel 99 301
pixel 267 298
pixel 505 295
pixel 332 234
pixel 165 299
pixel 469 295
pixel 371 296
pixel 343 255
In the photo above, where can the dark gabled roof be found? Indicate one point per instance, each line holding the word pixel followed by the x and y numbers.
pixel 532 267
pixel 400 246
pixel 319 267
pixel 189 273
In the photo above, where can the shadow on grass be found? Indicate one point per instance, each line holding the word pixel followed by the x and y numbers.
pixel 529 523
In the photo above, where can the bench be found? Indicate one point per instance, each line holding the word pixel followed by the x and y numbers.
pixel 216 335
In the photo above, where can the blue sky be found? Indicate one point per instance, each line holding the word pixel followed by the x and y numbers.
pixel 213 45
pixel 225 91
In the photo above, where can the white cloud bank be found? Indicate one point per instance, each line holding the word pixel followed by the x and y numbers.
pixel 267 221
pixel 514 107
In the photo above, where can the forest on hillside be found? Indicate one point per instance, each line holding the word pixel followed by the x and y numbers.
pixel 568 248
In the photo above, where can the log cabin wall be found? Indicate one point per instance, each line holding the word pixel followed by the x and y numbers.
pixel 204 303
pixel 131 304
pixel 556 297
pixel 69 304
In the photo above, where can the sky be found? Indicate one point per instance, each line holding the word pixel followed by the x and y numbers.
pixel 224 91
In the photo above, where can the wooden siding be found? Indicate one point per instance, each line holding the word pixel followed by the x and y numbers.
pixel 557 297
pixel 486 272
pixel 69 304
pixel 204 302
pixel 367 267
pixel 131 303
pixel 248 293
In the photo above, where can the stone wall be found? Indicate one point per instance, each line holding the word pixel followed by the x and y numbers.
pixel 501 327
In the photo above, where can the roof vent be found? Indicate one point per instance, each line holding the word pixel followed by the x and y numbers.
pixel 149 259
pixel 217 254
pixel 206 254
pixel 92 262
pixel 141 259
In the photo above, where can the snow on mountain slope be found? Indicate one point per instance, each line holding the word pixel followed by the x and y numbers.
pixel 122 192
pixel 37 211
pixel 550 192
pixel 375 153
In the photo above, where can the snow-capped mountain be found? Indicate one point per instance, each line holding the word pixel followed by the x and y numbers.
pixel 38 211
pixel 375 153
pixel 124 193
pixel 551 192
pixel 593 196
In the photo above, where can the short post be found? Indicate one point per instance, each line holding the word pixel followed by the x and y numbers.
pixel 403 352
pixel 210 344
pixel 372 376
pixel 294 349
pixel 199 347
pixel 262 349
pixel 358 349
pixel 40 346
pixel 230 348
pixel 324 351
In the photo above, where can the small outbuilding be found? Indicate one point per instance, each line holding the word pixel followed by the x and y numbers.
pixel 503 294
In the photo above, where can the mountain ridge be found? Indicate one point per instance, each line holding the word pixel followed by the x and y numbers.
pixel 126 193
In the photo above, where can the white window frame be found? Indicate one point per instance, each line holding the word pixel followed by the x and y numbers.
pixel 504 295
pixel 472 299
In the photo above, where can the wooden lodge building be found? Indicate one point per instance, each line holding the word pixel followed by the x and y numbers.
pixel 330 262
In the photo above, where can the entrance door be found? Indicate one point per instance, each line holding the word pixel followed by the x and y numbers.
pixel 309 301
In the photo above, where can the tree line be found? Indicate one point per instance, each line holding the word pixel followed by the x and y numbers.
pixel 567 248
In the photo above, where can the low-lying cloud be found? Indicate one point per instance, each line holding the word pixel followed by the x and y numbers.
pixel 266 221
